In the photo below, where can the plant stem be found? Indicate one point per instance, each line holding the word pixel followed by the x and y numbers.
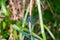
pixel 41 20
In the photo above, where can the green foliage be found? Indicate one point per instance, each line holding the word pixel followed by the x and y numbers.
pixel 47 16
pixel 3 6
pixel 43 24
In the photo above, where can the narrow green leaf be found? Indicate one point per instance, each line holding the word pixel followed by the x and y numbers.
pixel 41 20
pixel 49 32
pixel 4 25
pixel 26 34
pixel 15 35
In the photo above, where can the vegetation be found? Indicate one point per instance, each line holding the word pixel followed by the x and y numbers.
pixel 29 19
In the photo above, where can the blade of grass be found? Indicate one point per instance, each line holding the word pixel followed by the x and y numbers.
pixel 15 35
pixel 23 23
pixel 4 8
pixel 18 29
pixel 26 34
pixel 47 29
pixel 29 22
pixel 50 7
pixel 40 19
pixel 49 32
pixel 21 36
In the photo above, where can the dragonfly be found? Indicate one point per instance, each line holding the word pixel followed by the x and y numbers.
pixel 29 22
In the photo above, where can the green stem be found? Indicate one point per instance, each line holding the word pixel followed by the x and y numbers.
pixel 41 20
